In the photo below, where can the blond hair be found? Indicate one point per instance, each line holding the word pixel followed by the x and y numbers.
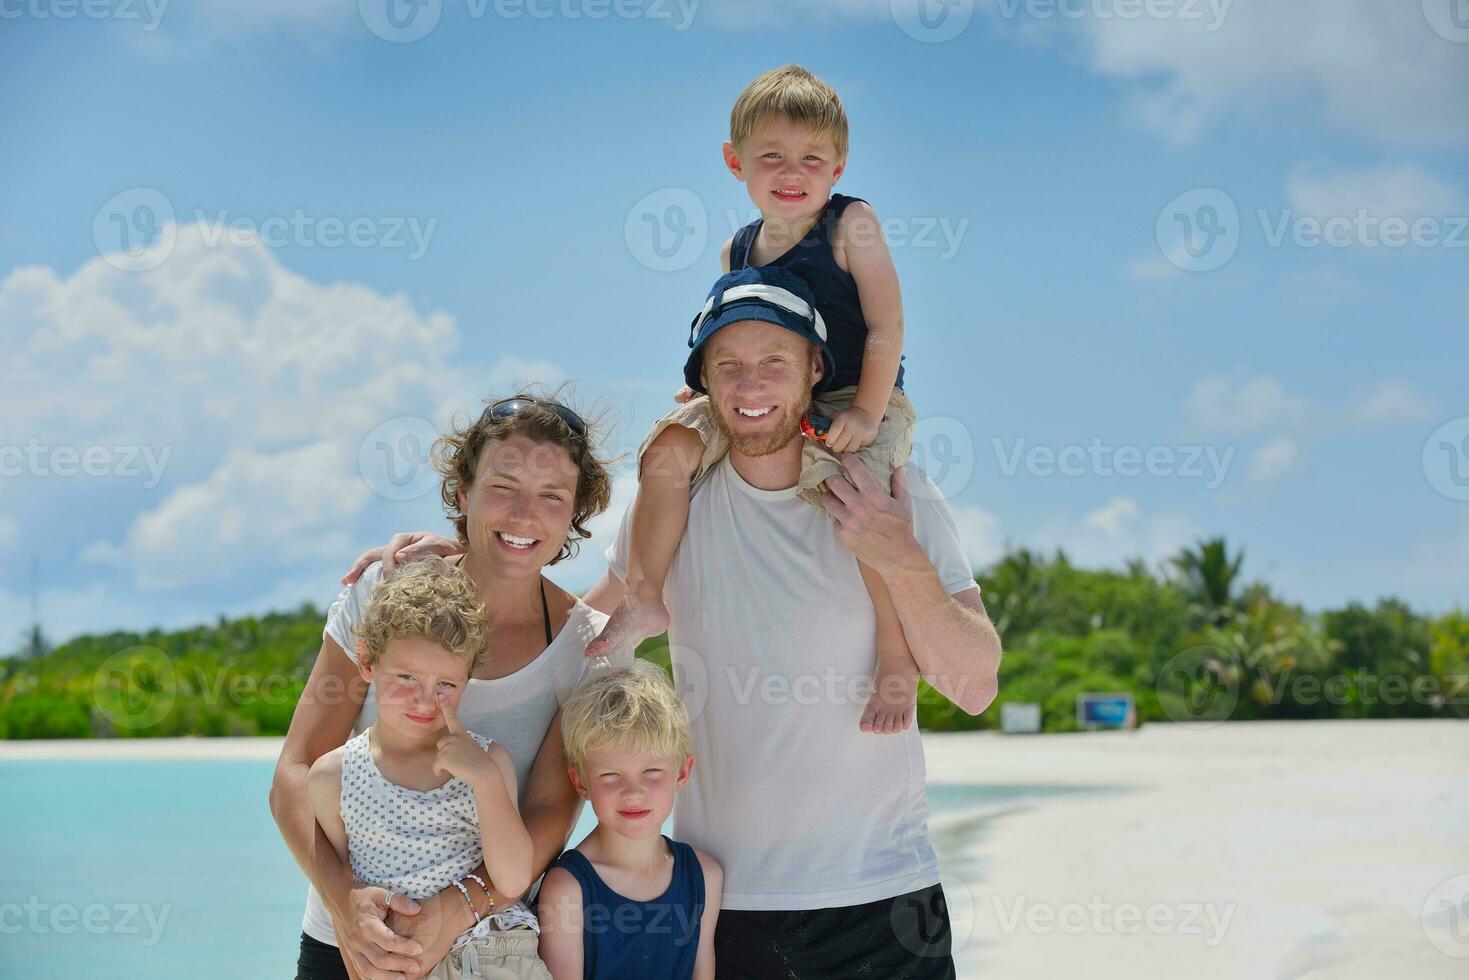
pixel 797 94
pixel 632 707
pixel 431 600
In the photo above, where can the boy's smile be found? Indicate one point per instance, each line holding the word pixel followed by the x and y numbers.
pixel 788 170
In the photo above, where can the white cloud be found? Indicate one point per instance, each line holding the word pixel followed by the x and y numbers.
pixel 1238 405
pixel 1113 533
pixel 1374 69
pixel 262 387
pixel 1274 460
pixel 1398 191
pixel 254 511
pixel 1367 67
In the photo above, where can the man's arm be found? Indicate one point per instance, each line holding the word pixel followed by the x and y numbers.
pixel 953 641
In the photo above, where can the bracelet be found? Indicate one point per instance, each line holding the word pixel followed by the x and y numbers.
pixel 488 896
pixel 465 892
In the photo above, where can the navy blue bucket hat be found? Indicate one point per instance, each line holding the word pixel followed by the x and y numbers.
pixel 758 293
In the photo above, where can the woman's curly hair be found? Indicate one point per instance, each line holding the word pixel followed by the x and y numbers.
pixel 457 453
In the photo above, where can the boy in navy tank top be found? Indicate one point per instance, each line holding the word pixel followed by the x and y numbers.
pixel 628 903
pixel 788 145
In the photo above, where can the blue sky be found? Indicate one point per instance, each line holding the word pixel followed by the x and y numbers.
pixel 506 173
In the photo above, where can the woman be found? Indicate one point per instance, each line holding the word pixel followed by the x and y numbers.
pixel 520 483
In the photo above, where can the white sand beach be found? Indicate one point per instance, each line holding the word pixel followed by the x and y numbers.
pixel 1281 851
pixel 1316 844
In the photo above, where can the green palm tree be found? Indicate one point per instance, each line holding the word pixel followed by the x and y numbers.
pixel 1208 575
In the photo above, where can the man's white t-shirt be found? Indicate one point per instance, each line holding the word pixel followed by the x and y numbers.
pixel 515 710
pixel 772 640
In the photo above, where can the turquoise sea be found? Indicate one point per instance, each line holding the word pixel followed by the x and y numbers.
pixel 164 869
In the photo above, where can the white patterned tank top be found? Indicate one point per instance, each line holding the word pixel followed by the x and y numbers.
pixel 415 841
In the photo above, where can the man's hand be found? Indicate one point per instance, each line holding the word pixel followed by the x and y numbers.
pixel 403 549
pixel 877 527
pixel 852 429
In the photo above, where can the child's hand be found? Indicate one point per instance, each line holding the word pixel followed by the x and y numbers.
pixel 459 754
pixel 852 429
pixel 685 394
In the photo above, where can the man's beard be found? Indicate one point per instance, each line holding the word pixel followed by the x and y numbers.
pixel 764 444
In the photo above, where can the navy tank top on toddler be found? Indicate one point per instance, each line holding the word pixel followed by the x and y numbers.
pixel 627 940
pixel 836 291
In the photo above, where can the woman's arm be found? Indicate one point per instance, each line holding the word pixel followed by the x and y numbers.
pixel 560 915
pixel 322 721
pixel 713 896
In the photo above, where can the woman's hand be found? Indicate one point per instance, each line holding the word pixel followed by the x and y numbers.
pixel 403 549
pixel 685 394
pixel 440 920
pixel 375 950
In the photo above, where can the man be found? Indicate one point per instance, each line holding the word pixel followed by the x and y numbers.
pixel 821 828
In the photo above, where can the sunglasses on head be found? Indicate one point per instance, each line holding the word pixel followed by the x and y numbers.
pixel 508 407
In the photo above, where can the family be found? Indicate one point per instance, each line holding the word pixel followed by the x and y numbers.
pixel 463 706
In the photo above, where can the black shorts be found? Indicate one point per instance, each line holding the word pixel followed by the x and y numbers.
pixel 319 961
pixel 902 938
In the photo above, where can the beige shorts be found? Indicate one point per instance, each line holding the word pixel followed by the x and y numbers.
pixel 509 955
pixel 890 450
